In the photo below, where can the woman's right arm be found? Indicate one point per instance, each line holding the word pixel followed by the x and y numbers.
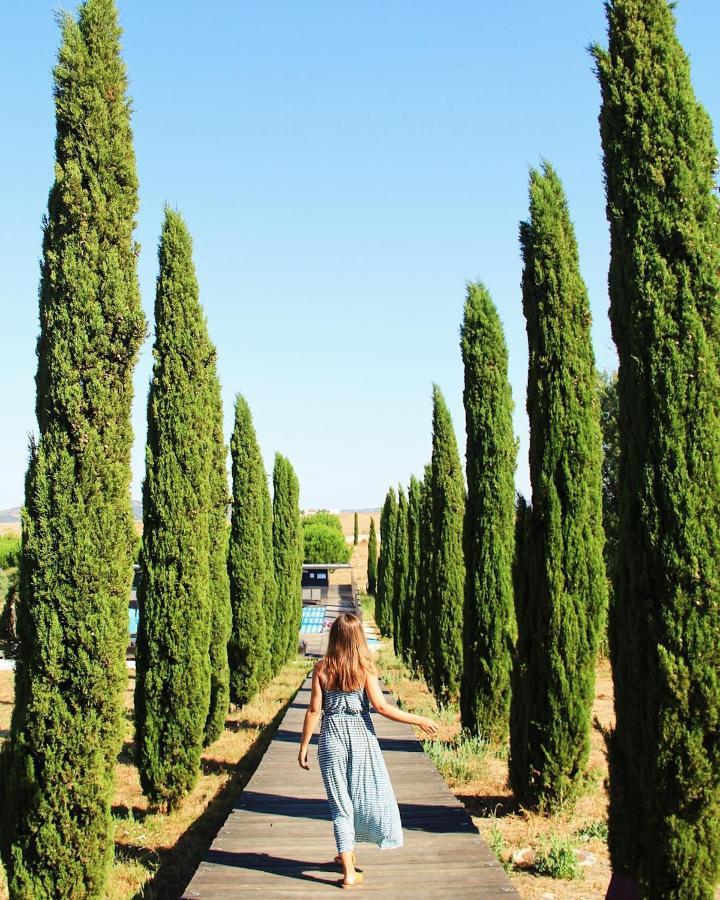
pixel 381 706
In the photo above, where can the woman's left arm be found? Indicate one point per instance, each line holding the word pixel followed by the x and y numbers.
pixel 311 717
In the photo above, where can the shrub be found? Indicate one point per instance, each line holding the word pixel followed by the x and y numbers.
pixel 324 544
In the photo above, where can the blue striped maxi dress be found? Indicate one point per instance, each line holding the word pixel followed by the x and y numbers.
pixel 362 802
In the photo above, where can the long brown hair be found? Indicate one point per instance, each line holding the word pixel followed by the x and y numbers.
pixel 347 661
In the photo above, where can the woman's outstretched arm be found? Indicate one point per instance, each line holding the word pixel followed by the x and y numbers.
pixel 311 716
pixel 380 704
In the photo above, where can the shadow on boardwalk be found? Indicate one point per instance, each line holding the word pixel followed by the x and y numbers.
pixel 175 865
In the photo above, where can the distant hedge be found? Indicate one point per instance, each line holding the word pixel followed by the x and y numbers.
pixel 9 551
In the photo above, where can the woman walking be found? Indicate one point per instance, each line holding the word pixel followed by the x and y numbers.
pixel 362 802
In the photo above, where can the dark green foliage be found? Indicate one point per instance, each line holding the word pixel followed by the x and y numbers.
pixel 324 544
pixel 172 690
pixel 356 530
pixel 610 470
pixel 288 547
pixel 660 168
pixel 57 769
pixel 408 621
pixel 274 611
pixel 524 691
pixel 489 615
pixel 423 651
pixel 372 567
pixel 400 571
pixel 221 611
pixel 9 551
pixel 446 582
pixel 567 578
pixel 8 610
pixel 248 566
pixel 386 565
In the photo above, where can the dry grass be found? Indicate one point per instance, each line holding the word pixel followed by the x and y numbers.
pixel 477 773
pixel 155 854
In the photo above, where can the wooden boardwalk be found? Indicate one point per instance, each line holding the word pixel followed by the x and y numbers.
pixel 278 841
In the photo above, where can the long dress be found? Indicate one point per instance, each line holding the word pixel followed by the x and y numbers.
pixel 362 802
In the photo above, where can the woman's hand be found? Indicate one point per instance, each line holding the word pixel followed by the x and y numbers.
pixel 428 726
pixel 302 758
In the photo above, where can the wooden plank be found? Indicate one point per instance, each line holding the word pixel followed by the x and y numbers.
pixel 278 841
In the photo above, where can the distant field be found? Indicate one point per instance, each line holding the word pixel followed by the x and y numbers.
pixel 12 528
pixel 347 519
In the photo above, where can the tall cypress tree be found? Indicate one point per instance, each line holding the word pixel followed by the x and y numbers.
pixel 489 616
pixel 221 611
pixel 423 643
pixel 660 166
pixel 386 571
pixel 356 530
pixel 408 621
pixel 447 575
pixel 274 612
pixel 57 769
pixel 400 570
pixel 172 690
pixel 249 646
pixel 372 559
pixel 569 584
pixel 288 547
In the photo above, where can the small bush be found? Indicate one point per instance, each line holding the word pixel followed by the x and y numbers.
pixel 556 859
pixel 9 551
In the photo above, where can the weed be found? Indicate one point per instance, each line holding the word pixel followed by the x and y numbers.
pixel 556 859
pixel 597 830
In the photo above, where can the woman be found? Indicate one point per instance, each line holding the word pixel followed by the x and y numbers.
pixel 362 803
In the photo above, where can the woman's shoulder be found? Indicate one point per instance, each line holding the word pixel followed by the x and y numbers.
pixel 319 668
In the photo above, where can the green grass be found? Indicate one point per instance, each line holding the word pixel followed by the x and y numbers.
pixel 461 760
pixel 556 859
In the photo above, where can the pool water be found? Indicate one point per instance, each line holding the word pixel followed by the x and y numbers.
pixel 313 620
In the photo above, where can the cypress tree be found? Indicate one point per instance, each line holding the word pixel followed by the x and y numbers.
pixel 489 619
pixel 221 611
pixel 356 530
pixel 289 552
pixel 408 622
pixel 172 690
pixel 526 694
pixel 423 643
pixel 400 573
pixel 386 570
pixel 57 769
pixel 568 581
pixel 249 647
pixel 660 166
pixel 274 613
pixel 372 559
pixel 447 575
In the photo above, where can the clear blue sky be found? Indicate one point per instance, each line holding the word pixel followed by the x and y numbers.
pixel 344 170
